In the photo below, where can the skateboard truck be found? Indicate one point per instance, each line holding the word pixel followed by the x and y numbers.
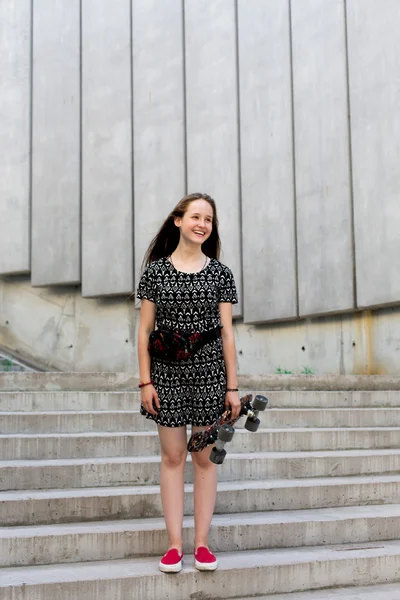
pixel 226 431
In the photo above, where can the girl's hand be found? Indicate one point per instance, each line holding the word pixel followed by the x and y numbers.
pixel 150 399
pixel 232 403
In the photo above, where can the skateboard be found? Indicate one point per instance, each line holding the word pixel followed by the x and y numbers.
pixel 222 430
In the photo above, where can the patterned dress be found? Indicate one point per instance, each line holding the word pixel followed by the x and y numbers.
pixel 190 391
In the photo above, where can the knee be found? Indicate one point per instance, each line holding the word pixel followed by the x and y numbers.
pixel 174 459
pixel 201 460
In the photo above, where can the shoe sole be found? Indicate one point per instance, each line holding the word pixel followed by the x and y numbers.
pixel 170 568
pixel 205 566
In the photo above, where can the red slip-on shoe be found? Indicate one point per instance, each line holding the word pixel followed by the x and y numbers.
pixel 171 562
pixel 204 559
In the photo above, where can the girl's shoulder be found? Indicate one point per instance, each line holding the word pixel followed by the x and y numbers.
pixel 156 265
pixel 220 267
pixel 225 282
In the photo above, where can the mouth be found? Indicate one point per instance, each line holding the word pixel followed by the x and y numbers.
pixel 199 234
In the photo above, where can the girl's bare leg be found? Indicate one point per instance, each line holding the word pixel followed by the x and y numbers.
pixel 205 493
pixel 173 441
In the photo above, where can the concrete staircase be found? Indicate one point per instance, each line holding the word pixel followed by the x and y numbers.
pixel 310 501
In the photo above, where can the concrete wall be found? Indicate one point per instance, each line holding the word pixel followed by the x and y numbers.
pixel 212 117
pixel 323 196
pixel 267 175
pixel 286 112
pixel 158 116
pixel 56 186
pixel 72 333
pixel 107 211
pixel 15 137
pixel 374 65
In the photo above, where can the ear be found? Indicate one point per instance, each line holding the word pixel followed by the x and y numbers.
pixel 177 221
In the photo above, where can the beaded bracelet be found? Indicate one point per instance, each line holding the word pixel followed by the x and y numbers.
pixel 141 385
pixel 232 389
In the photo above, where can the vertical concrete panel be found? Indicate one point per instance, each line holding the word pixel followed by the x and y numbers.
pixel 212 116
pixel 15 94
pixel 324 212
pixel 374 67
pixel 107 206
pixel 158 116
pixel 56 143
pixel 269 261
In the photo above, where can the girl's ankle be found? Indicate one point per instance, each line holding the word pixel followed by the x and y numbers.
pixel 200 545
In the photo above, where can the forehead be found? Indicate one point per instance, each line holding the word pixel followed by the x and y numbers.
pixel 201 207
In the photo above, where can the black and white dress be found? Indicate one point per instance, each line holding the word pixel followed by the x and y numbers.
pixel 190 391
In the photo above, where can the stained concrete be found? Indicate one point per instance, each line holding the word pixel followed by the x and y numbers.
pixel 268 220
pixel 72 333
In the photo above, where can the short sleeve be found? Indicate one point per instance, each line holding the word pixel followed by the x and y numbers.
pixel 227 288
pixel 147 288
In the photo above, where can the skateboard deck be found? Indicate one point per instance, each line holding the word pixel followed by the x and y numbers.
pixel 200 440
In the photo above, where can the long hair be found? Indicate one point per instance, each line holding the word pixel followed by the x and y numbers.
pixel 167 239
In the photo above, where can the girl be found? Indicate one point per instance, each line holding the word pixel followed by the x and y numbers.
pixel 184 287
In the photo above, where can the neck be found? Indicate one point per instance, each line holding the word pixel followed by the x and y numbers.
pixel 187 252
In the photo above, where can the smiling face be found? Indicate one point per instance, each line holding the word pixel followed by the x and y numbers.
pixel 197 222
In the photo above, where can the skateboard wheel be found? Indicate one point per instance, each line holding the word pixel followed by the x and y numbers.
pixel 252 424
pixel 226 433
pixel 213 438
pixel 217 456
pixel 260 403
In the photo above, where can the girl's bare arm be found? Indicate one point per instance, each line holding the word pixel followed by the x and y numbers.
pixel 146 326
pixel 228 341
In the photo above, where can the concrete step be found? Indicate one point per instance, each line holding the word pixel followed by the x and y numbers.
pixel 73 422
pixel 127 400
pixel 331 417
pixel 112 540
pixel 146 443
pixel 107 381
pixel 131 420
pixel 60 381
pixel 240 574
pixel 389 591
pixel 35 507
pixel 71 445
pixel 105 472
pixel 65 400
pixel 324 399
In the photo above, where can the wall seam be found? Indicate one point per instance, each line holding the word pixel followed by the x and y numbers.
pixel 132 149
pixel 30 176
pixel 350 149
pixel 80 141
pixel 296 250
pixel 185 137
pixel 239 152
